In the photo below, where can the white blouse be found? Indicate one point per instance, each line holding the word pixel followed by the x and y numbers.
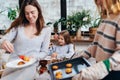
pixel 36 47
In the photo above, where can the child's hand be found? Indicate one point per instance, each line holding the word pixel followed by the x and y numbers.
pixel 56 37
pixel 50 45
pixel 54 55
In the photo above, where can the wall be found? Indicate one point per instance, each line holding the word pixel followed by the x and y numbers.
pixel 80 46
pixel 4 5
pixel 79 5
pixel 50 8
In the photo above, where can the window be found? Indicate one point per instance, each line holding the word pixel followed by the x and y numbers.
pixel 78 5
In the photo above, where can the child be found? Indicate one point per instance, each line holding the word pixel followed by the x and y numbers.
pixel 64 47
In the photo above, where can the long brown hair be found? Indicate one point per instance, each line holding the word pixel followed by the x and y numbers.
pixel 21 20
pixel 20 3
pixel 66 36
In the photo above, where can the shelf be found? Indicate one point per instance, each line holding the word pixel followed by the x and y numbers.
pixel 82 39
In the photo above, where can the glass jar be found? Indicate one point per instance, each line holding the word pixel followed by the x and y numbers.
pixel 43 66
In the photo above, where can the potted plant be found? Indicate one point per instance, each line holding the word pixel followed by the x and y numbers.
pixel 77 20
pixel 56 24
pixel 94 26
pixel 12 13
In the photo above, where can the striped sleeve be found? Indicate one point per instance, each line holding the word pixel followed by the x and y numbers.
pixel 115 58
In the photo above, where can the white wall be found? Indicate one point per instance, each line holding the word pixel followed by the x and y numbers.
pixel 4 5
pixel 50 8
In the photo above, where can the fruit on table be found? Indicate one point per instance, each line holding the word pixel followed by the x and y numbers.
pixel 21 56
pixel 25 58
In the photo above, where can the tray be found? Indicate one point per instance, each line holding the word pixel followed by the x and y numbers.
pixel 77 64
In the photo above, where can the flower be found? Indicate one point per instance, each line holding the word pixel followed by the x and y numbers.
pixel 85 18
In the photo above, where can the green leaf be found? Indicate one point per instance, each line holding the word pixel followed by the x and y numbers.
pixel 12 14
pixel 77 19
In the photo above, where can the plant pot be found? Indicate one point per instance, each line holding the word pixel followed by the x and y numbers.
pixel 92 32
pixel 55 29
pixel 78 34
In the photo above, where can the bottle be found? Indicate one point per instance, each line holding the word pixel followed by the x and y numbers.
pixel 43 66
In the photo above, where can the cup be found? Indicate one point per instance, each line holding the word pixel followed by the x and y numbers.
pixel 43 63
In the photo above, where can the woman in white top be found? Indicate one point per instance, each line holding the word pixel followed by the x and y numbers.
pixel 64 47
pixel 31 38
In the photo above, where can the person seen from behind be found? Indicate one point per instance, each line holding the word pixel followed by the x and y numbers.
pixel 105 47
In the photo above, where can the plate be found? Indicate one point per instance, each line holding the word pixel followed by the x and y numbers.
pixel 13 64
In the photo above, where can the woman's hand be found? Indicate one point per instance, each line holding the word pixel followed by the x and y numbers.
pixel 8 46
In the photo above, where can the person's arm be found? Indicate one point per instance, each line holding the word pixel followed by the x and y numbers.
pixel 113 62
pixel 10 35
pixel 102 68
pixel 70 51
pixel 115 58
pixel 95 72
pixel 5 42
pixel 45 44
pixel 90 51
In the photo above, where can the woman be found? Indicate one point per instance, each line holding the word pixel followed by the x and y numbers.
pixel 30 38
pixel 105 49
